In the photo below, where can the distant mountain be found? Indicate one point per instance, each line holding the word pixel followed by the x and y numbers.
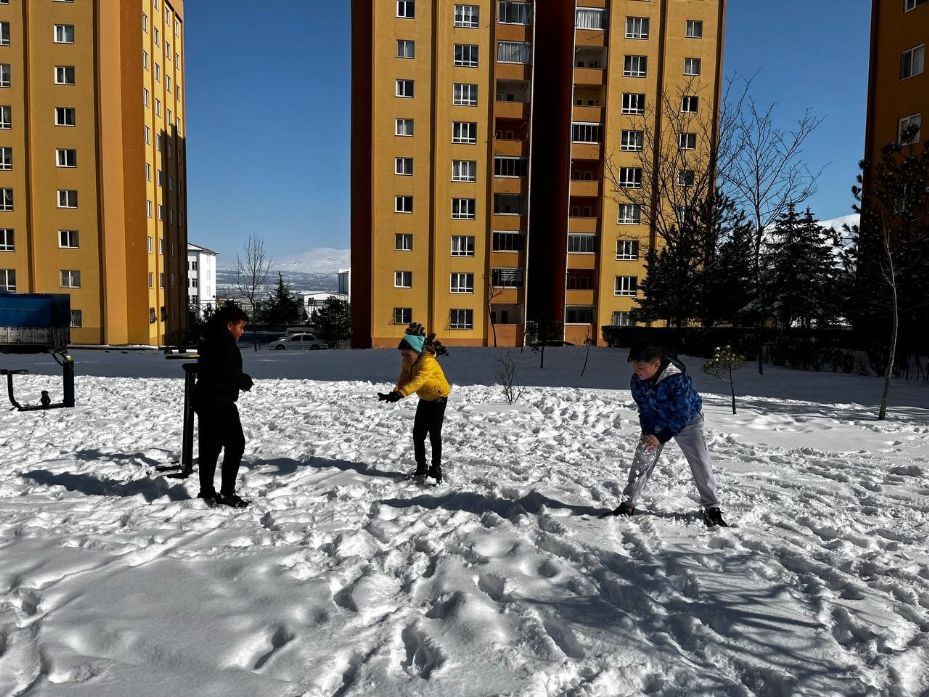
pixel 311 271
pixel 837 223
pixel 309 282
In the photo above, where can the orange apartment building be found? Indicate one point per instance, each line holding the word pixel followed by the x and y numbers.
pixel 92 163
pixel 480 133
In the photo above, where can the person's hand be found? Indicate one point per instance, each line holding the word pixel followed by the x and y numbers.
pixel 650 441
pixel 383 396
pixel 247 382
pixel 394 396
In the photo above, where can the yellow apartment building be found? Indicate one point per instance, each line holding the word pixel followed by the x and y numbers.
pixel 93 196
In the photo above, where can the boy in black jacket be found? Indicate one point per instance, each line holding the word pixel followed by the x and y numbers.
pixel 219 379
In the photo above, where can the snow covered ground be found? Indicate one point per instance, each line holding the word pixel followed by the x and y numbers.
pixel 341 580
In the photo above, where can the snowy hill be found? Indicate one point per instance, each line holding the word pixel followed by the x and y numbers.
pixel 838 223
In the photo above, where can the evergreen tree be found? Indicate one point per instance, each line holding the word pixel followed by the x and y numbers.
pixel 333 321
pixel 282 306
pixel 728 289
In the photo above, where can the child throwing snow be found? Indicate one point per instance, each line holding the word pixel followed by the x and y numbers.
pixel 669 407
pixel 421 373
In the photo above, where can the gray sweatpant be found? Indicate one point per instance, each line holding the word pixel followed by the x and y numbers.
pixel 692 443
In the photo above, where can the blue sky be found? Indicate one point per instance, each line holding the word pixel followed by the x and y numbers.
pixel 268 113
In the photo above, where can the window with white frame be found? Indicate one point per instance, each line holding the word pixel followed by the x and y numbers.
pixel 4 33
pixel 6 199
pixel 403 127
pixel 630 177
pixel 506 277
pixel 621 319
pixel 403 315
pixel 157 72
pixel 65 116
pixel 149 209
pixel 913 4
pixel 462 282
pixel 152 317
pixel 403 241
pixel 5 75
pixel 632 140
pixel 64 33
pixel 690 104
pixel 157 107
pixel 67 198
pixel 635 66
pixel 6 117
pixel 467 16
pixel 464 170
pixel 686 141
pixel 682 214
pixel 6 157
pixel 168 51
pixel 65 157
pixel 145 60
pixel 913 61
pixel 150 244
pixel 578 314
pixel 161 211
pixel 637 27
pixel 627 250
pixel 406 48
pixel 460 319
pixel 464 209
pixel 508 241
pixel 514 12
pixel 145 97
pixel 685 177
pixel 403 279
pixel 404 88
pixel 8 280
pixel 585 132
pixel 462 245
pixel 147 136
pixel 7 240
pixel 691 66
pixel 629 214
pixel 403 204
pixel 633 103
pixel 626 285
pixel 64 75
pixel 70 278
pixel 464 132
pixel 68 239
pixel 694 29
pixel 590 18
pixel 510 166
pixel 582 243
pixel 144 22
pixel 403 165
pixel 466 55
pixel 464 94
pixel 77 319
pixel 514 52
pixel 908 129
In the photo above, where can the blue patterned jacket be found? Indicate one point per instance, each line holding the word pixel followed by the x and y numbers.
pixel 667 402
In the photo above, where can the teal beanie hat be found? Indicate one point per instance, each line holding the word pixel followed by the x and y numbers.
pixel 411 341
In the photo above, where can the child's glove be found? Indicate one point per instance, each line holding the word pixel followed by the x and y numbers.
pixel 246 383
pixel 389 396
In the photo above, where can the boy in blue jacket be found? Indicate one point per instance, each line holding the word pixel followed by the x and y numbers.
pixel 669 407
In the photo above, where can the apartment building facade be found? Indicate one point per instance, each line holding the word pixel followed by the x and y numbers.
pixel 201 278
pixel 482 133
pixel 92 178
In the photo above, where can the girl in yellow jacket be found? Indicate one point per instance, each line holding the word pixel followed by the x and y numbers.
pixel 422 374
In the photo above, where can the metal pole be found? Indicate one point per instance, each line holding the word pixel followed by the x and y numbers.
pixel 187 447
pixel 67 371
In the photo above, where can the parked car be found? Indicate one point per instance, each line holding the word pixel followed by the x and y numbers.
pixel 303 340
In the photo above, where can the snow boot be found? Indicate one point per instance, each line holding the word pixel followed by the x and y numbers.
pixel 420 472
pixel 436 473
pixel 209 497
pixel 232 500
pixel 624 509
pixel 713 517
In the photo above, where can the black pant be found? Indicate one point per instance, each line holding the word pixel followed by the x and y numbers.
pixel 220 428
pixel 429 418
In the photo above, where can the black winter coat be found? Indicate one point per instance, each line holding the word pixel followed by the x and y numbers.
pixel 219 370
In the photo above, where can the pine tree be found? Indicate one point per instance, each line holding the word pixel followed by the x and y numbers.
pixel 728 290
pixel 333 321
pixel 282 307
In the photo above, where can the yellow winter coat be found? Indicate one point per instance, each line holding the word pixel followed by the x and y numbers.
pixel 425 377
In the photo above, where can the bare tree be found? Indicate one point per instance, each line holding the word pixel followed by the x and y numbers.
pixel 506 376
pixel 252 268
pixel 492 292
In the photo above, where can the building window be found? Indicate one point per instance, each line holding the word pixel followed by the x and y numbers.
pixel 913 62
pixel 168 51
pixel 514 52
pixel 690 104
pixel 633 103
pixel 579 314
pixel 629 214
pixel 6 117
pixel 913 4
pixel 466 55
pixel 6 157
pixel 403 204
pixel 64 74
pixel 152 318
pixel 508 241
pixel 8 280
pixel 685 177
pixel 4 33
pixel 147 136
pixel 635 66
pixel 70 278
pixel 462 283
pixel 464 132
pixel 148 209
pixel 157 107
pixel 510 166
pixel 67 198
pixel 467 16
pixel 7 240
pixel 161 280
pixel 585 132
pixel 155 36
pixel 150 245
pixel 403 315
pixel 403 241
pixel 687 141
pixel 691 66
pixel 627 250
pixel 908 129
pixel 6 199
pixel 462 245
pixel 157 70
pixel 403 127
pixel 626 285
pixel 65 157
pixel 637 27
pixel 65 116
pixel 403 165
pixel 461 319
pixel 404 88
pixel 5 75
pixel 464 170
pixel 403 279
pixel 506 277
pixel 406 9
pixel 631 140
pixel 406 48
pixel 694 29
pixel 145 97
pixel 582 244
pixel 64 33
pixel 464 94
pixel 621 319
pixel 463 209
pixel 630 177
pixel 514 12
pixel 509 204
pixel 77 319
pixel 68 239
pixel 590 18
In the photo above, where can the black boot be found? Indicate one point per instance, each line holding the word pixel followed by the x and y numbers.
pixel 713 517
pixel 436 473
pixel 624 509
pixel 419 473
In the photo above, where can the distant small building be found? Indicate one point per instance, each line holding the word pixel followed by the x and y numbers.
pixel 345 283
pixel 201 275
pixel 313 301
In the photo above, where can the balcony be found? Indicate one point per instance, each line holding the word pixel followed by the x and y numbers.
pixel 586 296
pixel 511 110
pixel 513 71
pixel 585 188
pixel 578 224
pixel 511 148
pixel 582 262
pixel 589 76
pixel 510 185
pixel 585 151
pixel 589 114
pixel 591 37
